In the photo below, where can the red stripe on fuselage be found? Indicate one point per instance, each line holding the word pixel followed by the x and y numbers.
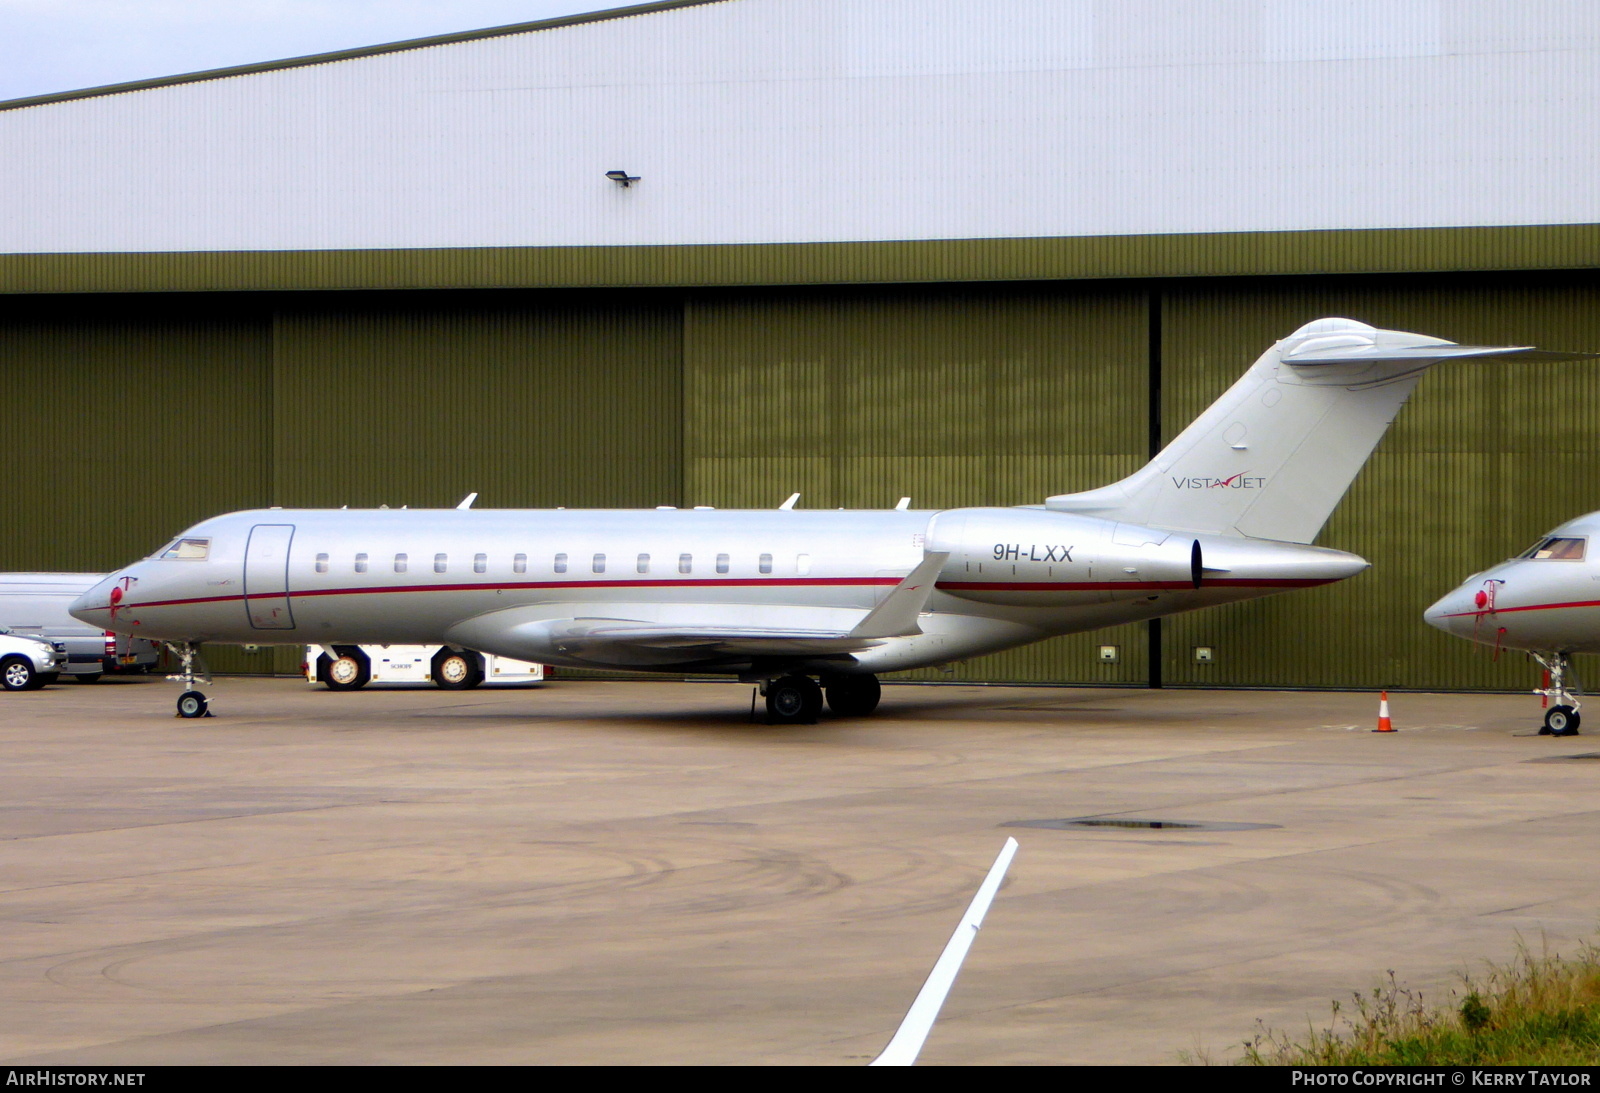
pixel 1529 607
pixel 754 582
pixel 733 582
pixel 1132 586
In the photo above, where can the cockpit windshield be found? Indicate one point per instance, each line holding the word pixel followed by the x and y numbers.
pixel 185 549
pixel 1556 549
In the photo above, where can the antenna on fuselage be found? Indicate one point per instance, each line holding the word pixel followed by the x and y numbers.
pixel 903 505
pixel 466 502
pixel 789 504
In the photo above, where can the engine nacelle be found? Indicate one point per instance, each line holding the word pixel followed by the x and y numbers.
pixel 1034 557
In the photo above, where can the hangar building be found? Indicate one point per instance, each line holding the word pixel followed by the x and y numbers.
pixel 972 253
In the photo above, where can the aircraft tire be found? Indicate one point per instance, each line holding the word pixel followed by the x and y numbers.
pixel 793 700
pixel 350 672
pixel 853 696
pixel 457 670
pixel 1561 721
pixel 192 704
pixel 89 677
pixel 16 674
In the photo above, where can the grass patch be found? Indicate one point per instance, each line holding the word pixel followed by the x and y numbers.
pixel 1538 1009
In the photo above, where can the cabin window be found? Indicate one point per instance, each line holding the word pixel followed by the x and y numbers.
pixel 766 563
pixel 686 563
pixel 1557 549
pixel 519 563
pixel 361 563
pixel 561 563
pixel 441 563
pixel 644 563
pixel 192 550
pixel 599 563
pixel 480 563
pixel 722 563
pixel 322 563
pixel 802 564
pixel 400 563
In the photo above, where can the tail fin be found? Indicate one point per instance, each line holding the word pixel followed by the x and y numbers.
pixel 1272 457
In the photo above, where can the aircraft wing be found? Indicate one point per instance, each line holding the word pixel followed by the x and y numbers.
pixel 770 640
pixel 648 633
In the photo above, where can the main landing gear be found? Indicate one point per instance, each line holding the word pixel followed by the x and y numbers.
pixel 192 670
pixel 797 699
pixel 1561 719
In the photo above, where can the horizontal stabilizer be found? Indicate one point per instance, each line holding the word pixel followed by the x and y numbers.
pixel 1420 354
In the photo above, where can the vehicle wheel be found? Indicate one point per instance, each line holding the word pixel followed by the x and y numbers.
pixel 192 704
pixel 89 677
pixel 349 671
pixel 1561 721
pixel 793 700
pixel 16 674
pixel 457 669
pixel 853 696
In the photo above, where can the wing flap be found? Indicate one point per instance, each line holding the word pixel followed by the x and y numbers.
pixel 713 640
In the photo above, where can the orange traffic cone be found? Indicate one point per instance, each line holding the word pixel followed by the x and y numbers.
pixel 1384 724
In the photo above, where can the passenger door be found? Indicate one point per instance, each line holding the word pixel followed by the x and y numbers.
pixel 266 577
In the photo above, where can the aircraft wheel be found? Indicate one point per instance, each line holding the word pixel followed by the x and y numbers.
pixel 16 674
pixel 793 700
pixel 89 677
pixel 456 670
pixel 350 671
pixel 192 704
pixel 1561 721
pixel 853 696
pixel 44 679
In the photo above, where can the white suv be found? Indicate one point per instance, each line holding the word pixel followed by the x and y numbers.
pixel 27 663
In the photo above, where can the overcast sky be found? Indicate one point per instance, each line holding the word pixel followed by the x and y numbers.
pixel 62 45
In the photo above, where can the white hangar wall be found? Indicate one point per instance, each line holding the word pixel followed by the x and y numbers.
pixel 796 121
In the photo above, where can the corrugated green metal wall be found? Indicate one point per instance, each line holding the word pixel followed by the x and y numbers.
pixel 120 425
pixel 130 417
pixel 951 398
pixel 531 404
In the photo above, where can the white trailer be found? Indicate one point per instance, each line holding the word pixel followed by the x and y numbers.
pixel 351 667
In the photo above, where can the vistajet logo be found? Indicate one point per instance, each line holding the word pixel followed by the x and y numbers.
pixel 1240 481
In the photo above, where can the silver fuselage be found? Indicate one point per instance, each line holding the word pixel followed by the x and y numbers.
pixel 1540 604
pixel 502 581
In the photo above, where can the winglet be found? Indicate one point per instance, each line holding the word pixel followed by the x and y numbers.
pixel 466 502
pixel 897 615
pixel 789 504
pixel 913 1031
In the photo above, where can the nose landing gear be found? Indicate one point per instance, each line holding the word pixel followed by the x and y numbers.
pixel 1561 719
pixel 192 670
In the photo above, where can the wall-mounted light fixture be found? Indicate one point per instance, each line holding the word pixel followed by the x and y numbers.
pixel 622 178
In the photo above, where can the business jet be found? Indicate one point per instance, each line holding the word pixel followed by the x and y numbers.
pixel 807 603
pixel 1545 602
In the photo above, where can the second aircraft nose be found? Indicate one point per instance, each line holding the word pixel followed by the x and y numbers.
pixel 1454 612
pixel 93 607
